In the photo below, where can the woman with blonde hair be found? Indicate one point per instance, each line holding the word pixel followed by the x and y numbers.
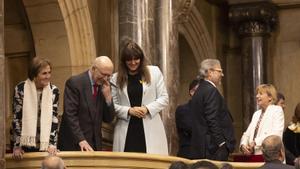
pixel 268 120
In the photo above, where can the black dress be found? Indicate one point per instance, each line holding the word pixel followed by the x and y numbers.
pixel 135 138
pixel 291 142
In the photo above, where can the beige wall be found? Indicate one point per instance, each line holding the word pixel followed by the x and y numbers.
pixel 104 20
pixel 286 60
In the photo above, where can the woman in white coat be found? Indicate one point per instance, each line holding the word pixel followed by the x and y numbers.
pixel 268 120
pixel 139 96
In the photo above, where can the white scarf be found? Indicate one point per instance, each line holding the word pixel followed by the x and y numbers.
pixel 30 116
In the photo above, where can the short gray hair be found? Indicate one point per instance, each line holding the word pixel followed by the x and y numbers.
pixel 272 147
pixel 206 65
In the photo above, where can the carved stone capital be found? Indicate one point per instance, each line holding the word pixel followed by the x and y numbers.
pixel 183 10
pixel 253 18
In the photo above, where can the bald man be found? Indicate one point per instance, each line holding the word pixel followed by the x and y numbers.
pixel 87 102
pixel 273 152
pixel 53 162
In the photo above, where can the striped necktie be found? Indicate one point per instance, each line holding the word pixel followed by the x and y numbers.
pixel 257 125
pixel 95 91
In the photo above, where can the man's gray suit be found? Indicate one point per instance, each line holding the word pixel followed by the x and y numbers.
pixel 83 114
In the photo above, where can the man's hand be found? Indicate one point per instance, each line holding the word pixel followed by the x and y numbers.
pixel 84 146
pixel 18 153
pixel 106 91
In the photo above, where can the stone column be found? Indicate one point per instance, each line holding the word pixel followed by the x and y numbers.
pixel 254 23
pixel 136 22
pixel 2 88
pixel 169 15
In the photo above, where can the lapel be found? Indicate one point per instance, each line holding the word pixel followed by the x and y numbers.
pixel 124 90
pixel 87 92
pixel 145 89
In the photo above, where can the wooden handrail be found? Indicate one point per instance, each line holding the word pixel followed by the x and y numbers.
pixel 109 160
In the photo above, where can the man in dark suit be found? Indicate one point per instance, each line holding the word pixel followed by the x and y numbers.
pixel 212 132
pixel 87 102
pixel 273 152
pixel 184 124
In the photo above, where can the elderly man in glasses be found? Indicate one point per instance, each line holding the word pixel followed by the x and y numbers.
pixel 87 102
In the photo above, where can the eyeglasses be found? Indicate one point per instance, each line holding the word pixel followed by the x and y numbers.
pixel 218 70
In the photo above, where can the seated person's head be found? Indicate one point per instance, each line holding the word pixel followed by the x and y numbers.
pixel 203 165
pixel 226 166
pixel 297 163
pixel 178 165
pixel 53 162
pixel 272 148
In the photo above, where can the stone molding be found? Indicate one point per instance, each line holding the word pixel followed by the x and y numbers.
pixel 198 37
pixel 80 33
pixel 252 19
pixel 184 10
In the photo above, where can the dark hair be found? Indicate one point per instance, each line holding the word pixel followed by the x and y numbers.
pixel 296 117
pixel 37 64
pixel 178 165
pixel 279 97
pixel 203 165
pixel 193 84
pixel 226 166
pixel 130 51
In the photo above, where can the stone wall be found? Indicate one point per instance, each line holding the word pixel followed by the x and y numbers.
pixel 285 58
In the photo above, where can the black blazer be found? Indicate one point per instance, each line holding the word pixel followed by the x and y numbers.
pixel 184 129
pixel 276 164
pixel 83 115
pixel 212 122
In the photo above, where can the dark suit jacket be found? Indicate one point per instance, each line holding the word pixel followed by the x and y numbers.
pixel 212 122
pixel 83 114
pixel 184 129
pixel 276 165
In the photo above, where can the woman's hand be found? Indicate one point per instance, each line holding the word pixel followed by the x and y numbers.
pixel 139 112
pixel 246 149
pixel 52 150
pixel 18 153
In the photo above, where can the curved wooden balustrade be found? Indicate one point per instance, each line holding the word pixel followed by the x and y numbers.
pixel 109 160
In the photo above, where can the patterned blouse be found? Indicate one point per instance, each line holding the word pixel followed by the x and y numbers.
pixel 17 115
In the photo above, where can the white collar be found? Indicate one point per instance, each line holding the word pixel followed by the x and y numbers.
pixel 210 82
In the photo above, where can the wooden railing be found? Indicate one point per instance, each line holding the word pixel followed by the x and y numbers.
pixel 109 160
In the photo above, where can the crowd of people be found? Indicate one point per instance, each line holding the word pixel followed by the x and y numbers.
pixel 135 96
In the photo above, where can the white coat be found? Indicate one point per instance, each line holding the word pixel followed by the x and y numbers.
pixel 272 123
pixel 155 98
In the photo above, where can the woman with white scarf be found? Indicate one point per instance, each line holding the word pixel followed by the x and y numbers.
pixel 35 104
